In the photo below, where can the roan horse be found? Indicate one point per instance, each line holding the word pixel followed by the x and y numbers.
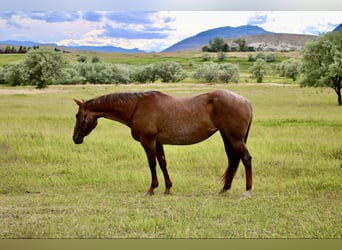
pixel 156 119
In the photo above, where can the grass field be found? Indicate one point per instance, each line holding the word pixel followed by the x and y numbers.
pixel 51 188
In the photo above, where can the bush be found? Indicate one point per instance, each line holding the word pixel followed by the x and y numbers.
pixel 214 72
pixel 101 73
pixel 228 73
pixel 270 58
pixel 205 57
pixel 70 75
pixel 259 70
pixel 170 71
pixel 221 56
pixel 143 74
pixel 290 68
pixel 207 71
pixel 15 74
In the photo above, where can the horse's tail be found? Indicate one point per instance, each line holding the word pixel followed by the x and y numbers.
pixel 249 125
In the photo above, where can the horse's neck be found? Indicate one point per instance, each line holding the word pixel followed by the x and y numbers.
pixel 114 110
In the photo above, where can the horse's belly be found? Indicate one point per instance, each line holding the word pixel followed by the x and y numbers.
pixel 184 136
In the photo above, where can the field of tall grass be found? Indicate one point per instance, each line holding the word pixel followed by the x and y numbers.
pixel 51 188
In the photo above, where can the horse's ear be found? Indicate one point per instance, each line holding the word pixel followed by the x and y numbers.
pixel 79 103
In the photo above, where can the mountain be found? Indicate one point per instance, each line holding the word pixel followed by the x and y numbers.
pixel 338 27
pixel 25 43
pixel 83 48
pixel 223 32
pixel 106 49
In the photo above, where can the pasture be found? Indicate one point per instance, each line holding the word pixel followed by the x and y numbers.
pixel 51 188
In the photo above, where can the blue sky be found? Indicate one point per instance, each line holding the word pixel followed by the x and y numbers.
pixel 149 30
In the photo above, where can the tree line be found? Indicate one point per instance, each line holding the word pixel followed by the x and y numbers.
pixel 218 45
pixel 14 50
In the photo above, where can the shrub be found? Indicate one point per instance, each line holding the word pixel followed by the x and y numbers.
pixel 170 71
pixel 143 74
pixel 228 73
pixel 290 68
pixel 15 74
pixel 259 70
pixel 270 58
pixel 207 71
pixel 221 56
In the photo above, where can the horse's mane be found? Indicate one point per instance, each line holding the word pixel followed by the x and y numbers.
pixel 117 98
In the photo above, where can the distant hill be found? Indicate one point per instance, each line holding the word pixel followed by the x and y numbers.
pixel 24 43
pixel 106 49
pixel 224 32
pixel 83 48
pixel 338 27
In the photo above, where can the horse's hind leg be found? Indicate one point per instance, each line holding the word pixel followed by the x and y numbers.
pixel 162 163
pixel 241 149
pixel 234 160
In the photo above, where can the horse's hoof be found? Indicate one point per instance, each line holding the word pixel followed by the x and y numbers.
pixel 247 194
pixel 149 193
pixel 222 191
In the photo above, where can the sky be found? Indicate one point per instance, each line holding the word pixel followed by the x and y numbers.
pixel 150 30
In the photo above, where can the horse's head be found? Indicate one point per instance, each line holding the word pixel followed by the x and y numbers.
pixel 86 121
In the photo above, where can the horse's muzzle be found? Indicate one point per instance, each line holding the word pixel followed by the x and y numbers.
pixel 77 140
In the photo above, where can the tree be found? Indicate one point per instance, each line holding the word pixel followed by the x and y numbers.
pixel 322 63
pixel 216 45
pixel 259 70
pixel 43 66
pixel 241 43
pixel 290 68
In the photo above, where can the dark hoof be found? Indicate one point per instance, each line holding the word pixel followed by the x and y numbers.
pixel 222 191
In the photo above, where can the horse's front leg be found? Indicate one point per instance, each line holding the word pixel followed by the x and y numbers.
pixel 150 150
pixel 162 163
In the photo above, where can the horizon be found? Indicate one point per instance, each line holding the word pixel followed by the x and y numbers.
pixel 151 31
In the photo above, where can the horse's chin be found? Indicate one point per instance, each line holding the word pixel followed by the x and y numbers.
pixel 78 140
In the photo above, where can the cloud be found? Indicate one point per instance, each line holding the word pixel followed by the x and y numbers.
pixel 130 17
pixel 131 33
pixel 92 16
pixel 14 24
pixel 7 14
pixel 258 19
pixel 53 16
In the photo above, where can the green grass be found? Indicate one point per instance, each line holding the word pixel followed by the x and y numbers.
pixel 51 188
pixel 9 58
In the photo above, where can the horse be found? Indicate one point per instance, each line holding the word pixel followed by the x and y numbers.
pixel 156 118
